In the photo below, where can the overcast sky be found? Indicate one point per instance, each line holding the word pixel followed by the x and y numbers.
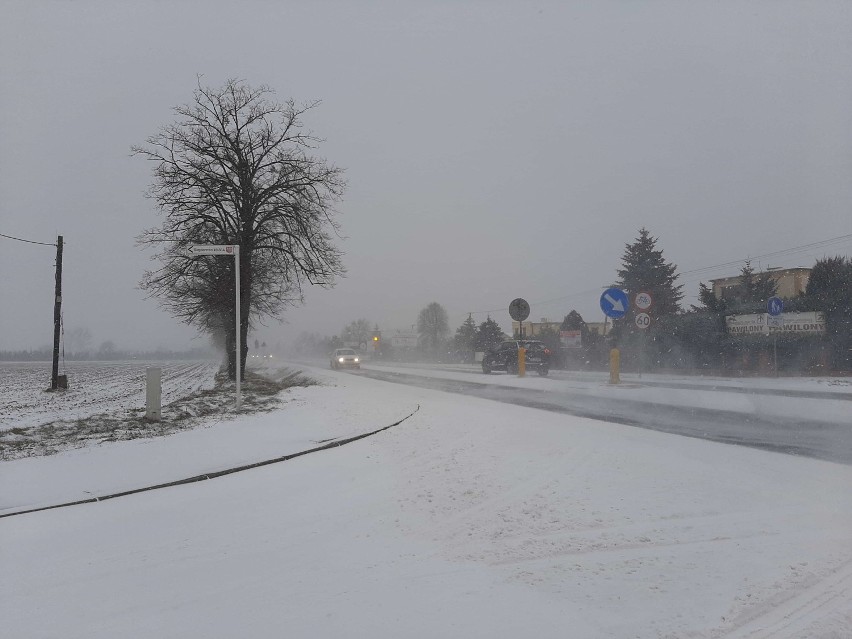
pixel 493 150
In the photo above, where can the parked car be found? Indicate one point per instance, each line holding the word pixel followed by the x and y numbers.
pixel 345 358
pixel 505 357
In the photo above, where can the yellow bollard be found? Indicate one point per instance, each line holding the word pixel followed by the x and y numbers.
pixel 614 366
pixel 522 361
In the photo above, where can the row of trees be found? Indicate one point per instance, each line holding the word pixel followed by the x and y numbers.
pixel 678 338
pixel 697 337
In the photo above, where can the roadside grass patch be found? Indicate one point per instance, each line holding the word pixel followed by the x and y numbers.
pixel 261 392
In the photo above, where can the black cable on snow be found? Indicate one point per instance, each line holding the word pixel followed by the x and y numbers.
pixel 213 475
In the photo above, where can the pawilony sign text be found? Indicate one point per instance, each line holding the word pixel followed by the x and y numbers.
pixel 811 322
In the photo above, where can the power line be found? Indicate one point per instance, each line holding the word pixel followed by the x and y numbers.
pixel 27 241
pixel 780 253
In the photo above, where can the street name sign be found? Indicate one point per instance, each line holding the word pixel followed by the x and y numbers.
pixel 210 249
pixel 614 303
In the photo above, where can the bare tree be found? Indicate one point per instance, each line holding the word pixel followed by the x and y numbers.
pixel 432 326
pixel 236 168
pixel 359 331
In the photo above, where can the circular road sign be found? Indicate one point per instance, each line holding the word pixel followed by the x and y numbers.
pixel 519 309
pixel 775 306
pixel 614 303
pixel 643 300
pixel 643 320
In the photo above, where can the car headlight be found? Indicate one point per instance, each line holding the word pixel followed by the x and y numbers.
pixel 340 359
pixel 356 360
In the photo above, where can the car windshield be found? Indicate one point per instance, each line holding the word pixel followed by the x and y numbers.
pixel 345 351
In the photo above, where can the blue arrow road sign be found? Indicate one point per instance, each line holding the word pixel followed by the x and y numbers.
pixel 614 303
pixel 775 306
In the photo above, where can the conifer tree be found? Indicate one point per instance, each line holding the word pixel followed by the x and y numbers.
pixel 830 291
pixel 754 289
pixel 645 269
pixel 465 339
pixel 490 335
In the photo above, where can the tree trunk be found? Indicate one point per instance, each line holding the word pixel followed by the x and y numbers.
pixel 230 346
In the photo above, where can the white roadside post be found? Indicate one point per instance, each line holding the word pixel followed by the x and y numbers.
pixel 226 249
pixel 153 393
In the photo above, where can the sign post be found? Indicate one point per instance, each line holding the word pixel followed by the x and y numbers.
pixel 775 306
pixel 519 310
pixel 614 304
pixel 642 301
pixel 227 250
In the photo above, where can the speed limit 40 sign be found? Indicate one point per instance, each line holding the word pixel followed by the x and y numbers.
pixel 643 320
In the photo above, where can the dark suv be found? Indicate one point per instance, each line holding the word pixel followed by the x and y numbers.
pixel 505 357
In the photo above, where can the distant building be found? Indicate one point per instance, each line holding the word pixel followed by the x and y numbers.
pixel 534 329
pixel 790 281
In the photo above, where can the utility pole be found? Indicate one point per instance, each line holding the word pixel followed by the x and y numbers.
pixel 57 316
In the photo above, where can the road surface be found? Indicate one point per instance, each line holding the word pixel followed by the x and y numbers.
pixel 815 438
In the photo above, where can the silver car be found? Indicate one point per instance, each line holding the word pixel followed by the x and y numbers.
pixel 345 358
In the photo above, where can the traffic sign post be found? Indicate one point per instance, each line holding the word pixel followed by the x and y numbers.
pixel 774 307
pixel 643 302
pixel 227 250
pixel 519 310
pixel 642 321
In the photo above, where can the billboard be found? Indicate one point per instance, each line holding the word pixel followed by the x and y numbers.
pixel 571 339
pixel 805 322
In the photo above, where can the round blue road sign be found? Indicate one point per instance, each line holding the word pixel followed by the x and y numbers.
pixel 775 306
pixel 614 303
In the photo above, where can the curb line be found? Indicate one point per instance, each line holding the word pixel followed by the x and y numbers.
pixel 213 475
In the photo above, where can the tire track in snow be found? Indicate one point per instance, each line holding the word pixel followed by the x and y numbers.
pixel 802 613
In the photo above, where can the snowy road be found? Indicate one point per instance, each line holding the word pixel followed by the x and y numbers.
pixel 821 427
pixel 473 518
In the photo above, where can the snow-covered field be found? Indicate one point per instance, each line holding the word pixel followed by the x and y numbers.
pixel 468 519
pixel 93 387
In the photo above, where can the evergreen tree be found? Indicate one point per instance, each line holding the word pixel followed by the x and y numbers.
pixel 465 339
pixel 645 269
pixel 574 322
pixel 830 291
pixel 754 289
pixel 709 301
pixel 490 335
